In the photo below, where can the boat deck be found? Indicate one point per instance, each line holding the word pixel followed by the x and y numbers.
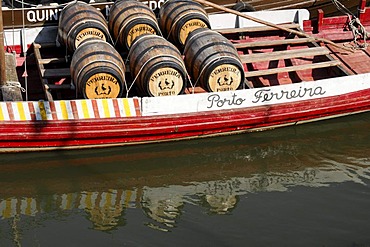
pixel 277 58
pixel 270 57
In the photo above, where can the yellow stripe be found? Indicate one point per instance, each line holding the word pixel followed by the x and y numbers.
pixel 63 108
pixel 88 200
pixel 42 110
pixel 1 112
pixel 69 201
pixel 20 107
pixel 126 107
pixel 108 200
pixel 106 108
pixel 7 213
pixel 28 209
pixel 128 195
pixel 85 110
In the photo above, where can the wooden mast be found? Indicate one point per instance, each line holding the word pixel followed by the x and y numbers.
pixel 2 51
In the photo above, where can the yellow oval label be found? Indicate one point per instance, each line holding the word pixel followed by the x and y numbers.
pixel 166 82
pixel 102 86
pixel 190 26
pixel 89 33
pixel 225 77
pixel 138 30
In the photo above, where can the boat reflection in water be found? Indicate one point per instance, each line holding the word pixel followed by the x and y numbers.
pixel 104 186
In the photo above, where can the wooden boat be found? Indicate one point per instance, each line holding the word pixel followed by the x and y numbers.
pixel 293 74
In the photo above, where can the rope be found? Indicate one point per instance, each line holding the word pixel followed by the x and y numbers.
pixel 13 84
pixel 355 25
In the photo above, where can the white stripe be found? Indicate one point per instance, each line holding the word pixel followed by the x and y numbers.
pixel 103 199
pixel 49 116
pixel 16 114
pixel 27 112
pixel 121 107
pixel 114 197
pixel 47 110
pixel 94 196
pixel 24 206
pixel 59 110
pixel 34 207
pixel 90 108
pixel 5 111
pixel 2 208
pixel 13 206
pixel 82 204
pixel 100 108
pixel 64 202
pixel 132 106
pixel 111 108
pixel 37 110
pixel 80 111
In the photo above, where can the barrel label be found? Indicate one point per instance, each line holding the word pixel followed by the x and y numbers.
pixel 89 33
pixel 102 86
pixel 165 82
pixel 225 77
pixel 138 30
pixel 190 26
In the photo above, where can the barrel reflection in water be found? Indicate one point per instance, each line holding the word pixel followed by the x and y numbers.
pixel 307 185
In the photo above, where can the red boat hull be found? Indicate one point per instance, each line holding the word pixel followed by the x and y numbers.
pixel 69 134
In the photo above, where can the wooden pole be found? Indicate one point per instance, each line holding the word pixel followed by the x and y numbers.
pixel 8 93
pixel 216 6
pixel 2 51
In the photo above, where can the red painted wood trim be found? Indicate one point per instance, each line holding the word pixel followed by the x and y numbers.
pixel 159 128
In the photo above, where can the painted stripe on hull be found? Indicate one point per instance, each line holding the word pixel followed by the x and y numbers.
pixel 22 136
pixel 69 110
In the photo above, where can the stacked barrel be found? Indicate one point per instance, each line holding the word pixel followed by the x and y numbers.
pixel 158 66
pixel 211 60
pixel 97 68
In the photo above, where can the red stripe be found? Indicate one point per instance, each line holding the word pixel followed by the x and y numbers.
pixel 137 107
pixel 10 110
pixel 53 110
pixel 32 110
pixel 95 108
pixel 74 109
pixel 116 108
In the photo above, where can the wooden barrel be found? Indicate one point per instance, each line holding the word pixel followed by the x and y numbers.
pixel 128 20
pixel 79 22
pixel 157 66
pixel 177 18
pixel 98 70
pixel 212 61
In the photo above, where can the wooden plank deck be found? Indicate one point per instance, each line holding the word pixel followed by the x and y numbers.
pixel 288 54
